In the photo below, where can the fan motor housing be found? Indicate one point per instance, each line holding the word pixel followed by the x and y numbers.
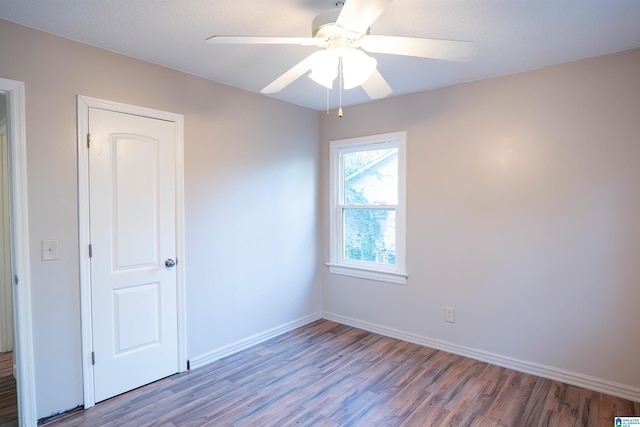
pixel 324 26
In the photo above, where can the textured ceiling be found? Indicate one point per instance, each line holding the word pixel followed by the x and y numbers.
pixel 511 36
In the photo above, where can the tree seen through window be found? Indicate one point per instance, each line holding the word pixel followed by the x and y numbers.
pixel 370 185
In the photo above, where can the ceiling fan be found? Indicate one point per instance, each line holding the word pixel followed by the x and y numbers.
pixel 343 34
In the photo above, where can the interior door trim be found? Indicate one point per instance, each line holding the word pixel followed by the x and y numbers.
pixel 84 103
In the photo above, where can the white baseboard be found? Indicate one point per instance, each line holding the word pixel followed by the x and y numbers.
pixel 580 380
pixel 245 343
pixel 585 381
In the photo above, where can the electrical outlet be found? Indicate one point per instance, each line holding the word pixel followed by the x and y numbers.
pixel 449 314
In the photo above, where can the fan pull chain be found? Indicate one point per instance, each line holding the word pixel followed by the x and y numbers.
pixel 340 84
pixel 327 101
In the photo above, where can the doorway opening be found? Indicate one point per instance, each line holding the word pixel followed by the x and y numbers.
pixel 8 393
pixel 15 263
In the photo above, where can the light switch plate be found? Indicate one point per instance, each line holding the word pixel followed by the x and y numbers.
pixel 49 250
pixel 449 314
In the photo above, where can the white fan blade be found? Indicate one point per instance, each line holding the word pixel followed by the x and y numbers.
pixel 292 74
pixel 358 15
pixel 263 40
pixel 450 50
pixel 376 87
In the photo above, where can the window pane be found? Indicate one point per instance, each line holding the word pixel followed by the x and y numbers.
pixel 370 235
pixel 371 177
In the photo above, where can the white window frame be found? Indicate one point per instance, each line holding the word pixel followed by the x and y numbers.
pixel 395 273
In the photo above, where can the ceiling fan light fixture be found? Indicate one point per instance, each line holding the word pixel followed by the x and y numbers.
pixel 357 67
pixel 343 34
pixel 322 80
pixel 324 69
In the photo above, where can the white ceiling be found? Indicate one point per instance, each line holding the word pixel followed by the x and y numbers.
pixel 511 36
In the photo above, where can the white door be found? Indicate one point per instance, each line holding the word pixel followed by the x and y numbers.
pixel 132 174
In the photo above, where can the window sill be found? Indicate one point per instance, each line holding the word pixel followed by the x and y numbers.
pixel 368 273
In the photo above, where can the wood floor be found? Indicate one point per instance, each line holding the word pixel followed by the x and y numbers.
pixel 327 374
pixel 8 402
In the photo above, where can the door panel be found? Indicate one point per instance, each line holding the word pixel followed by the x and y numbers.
pixel 136 186
pixel 136 317
pixel 132 227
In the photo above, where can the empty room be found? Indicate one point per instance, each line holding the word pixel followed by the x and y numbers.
pixel 320 213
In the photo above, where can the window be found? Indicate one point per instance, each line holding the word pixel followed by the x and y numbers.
pixel 367 219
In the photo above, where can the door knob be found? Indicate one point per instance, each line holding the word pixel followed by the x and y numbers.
pixel 170 263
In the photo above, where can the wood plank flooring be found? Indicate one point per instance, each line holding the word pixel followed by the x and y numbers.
pixel 8 402
pixel 6 364
pixel 327 374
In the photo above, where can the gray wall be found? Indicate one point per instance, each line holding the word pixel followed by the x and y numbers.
pixel 3 106
pixel 251 166
pixel 523 212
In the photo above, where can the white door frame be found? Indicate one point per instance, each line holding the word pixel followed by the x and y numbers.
pixel 23 333
pixel 84 103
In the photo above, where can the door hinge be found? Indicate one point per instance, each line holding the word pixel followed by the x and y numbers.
pixel 93 357
pixel 88 140
pixel 15 279
pixel 90 250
